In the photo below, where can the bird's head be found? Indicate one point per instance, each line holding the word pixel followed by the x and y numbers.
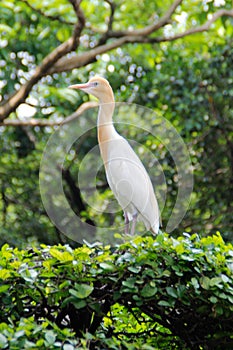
pixel 98 87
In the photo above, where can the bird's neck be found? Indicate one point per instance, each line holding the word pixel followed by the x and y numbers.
pixel 106 130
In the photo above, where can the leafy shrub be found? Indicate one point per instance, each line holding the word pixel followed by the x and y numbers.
pixel 147 293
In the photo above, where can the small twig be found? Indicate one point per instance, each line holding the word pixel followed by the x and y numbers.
pixel 80 23
pixel 69 45
pixel 57 61
pixel 107 34
pixel 46 122
pixel 112 7
pixel 137 33
pixel 200 29
pixel 77 61
pixel 41 13
pixel 146 332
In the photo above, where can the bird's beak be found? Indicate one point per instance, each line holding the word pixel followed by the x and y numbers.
pixel 80 86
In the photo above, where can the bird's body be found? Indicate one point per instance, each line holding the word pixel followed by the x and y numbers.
pixel 125 173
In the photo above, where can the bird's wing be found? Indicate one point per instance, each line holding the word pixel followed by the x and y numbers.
pixel 130 182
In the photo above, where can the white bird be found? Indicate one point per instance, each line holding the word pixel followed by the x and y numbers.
pixel 126 175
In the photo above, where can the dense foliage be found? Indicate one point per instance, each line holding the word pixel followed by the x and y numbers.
pixel 186 78
pixel 145 294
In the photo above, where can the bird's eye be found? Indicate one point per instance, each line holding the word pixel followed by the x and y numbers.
pixel 95 83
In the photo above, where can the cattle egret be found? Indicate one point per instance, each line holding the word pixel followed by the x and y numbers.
pixel 125 173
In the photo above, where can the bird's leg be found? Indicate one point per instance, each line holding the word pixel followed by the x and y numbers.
pixel 133 224
pixel 126 223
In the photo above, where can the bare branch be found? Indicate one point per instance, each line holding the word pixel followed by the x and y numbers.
pixel 80 23
pixel 137 32
pixel 46 122
pixel 57 61
pixel 203 28
pixel 107 34
pixel 71 44
pixel 52 18
pixel 111 17
pixel 151 28
pixel 77 61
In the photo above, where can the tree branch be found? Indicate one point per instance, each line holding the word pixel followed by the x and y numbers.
pixel 46 122
pixel 111 17
pixel 136 32
pixel 71 44
pixel 57 61
pixel 151 28
pixel 80 23
pixel 203 28
pixel 77 61
pixel 41 13
pixel 106 35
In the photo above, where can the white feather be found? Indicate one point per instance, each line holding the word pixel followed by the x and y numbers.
pixel 130 183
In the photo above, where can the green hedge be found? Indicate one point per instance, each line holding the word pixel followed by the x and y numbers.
pixel 161 293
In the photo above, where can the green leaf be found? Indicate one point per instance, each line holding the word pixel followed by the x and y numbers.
pixel 68 347
pixel 194 282
pixel 215 281
pixel 48 274
pixel 225 278
pixel 62 256
pixel 79 304
pixel 166 273
pixel 4 288
pixel 50 337
pixel 107 266
pixel 19 334
pixel 64 284
pixel 44 34
pixel 134 269
pixel 129 283
pixel 180 248
pixel 230 298
pixel 39 343
pixel 222 295
pixel 3 341
pixel 172 292
pixel 148 291
pixel 181 290
pixel 68 300
pixel 63 34
pixel 213 300
pixel 116 295
pixel 164 303
pixel 4 274
pixel 205 282
pixel 96 307
pixel 117 236
pixel 81 291
pixel 28 275
pixel 219 310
